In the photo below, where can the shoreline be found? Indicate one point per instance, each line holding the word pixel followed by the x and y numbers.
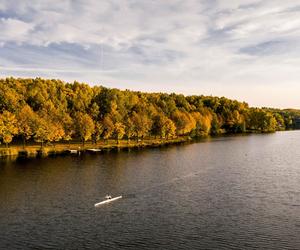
pixel 35 151
pixel 75 148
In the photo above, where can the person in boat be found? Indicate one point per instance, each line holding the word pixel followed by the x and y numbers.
pixel 108 197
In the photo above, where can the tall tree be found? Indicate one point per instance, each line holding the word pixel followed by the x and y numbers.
pixel 215 125
pixel 85 126
pixel 8 127
pixel 129 129
pixel 42 129
pixel 158 125
pixel 68 127
pixel 108 127
pixel 26 123
pixel 141 124
pixel 119 131
pixel 98 131
pixel 47 110
pixel 184 122
pixel 170 128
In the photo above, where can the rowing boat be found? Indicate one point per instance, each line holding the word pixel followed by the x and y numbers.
pixel 108 200
pixel 94 150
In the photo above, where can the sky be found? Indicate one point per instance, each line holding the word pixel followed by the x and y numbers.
pixel 247 50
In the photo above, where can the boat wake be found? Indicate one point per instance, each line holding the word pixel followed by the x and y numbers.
pixel 171 181
pixel 134 195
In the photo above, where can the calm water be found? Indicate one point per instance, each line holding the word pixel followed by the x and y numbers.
pixel 239 192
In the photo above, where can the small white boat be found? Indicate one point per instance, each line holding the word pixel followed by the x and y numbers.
pixel 94 150
pixel 108 199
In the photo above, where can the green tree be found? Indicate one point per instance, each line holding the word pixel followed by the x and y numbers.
pixel 280 122
pixel 269 124
pixel 261 120
pixel 158 125
pixel 215 125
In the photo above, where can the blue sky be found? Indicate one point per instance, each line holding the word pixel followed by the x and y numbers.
pixel 247 50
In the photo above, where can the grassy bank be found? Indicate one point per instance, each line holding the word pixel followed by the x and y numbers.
pixel 76 147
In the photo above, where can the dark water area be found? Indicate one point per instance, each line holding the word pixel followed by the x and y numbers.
pixel 239 192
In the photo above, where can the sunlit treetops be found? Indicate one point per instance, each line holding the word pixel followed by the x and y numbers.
pixel 51 110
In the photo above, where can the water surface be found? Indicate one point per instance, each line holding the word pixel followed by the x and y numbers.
pixel 239 192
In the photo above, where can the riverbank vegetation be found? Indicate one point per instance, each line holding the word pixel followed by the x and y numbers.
pixel 75 147
pixel 47 111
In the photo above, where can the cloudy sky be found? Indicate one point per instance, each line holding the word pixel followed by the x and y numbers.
pixel 243 49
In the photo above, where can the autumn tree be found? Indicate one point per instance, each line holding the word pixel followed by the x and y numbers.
pixel 85 126
pixel 98 131
pixel 215 125
pixel 280 124
pixel 184 122
pixel 42 130
pixel 158 125
pixel 119 131
pixel 8 127
pixel 68 127
pixel 170 128
pixel 52 110
pixel 26 123
pixel 163 126
pixel 141 124
pixel 203 123
pixel 129 129
pixel 108 127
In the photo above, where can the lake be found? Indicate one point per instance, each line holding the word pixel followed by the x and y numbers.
pixel 233 192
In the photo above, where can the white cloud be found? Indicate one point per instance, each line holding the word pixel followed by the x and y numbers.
pixel 211 47
pixel 13 30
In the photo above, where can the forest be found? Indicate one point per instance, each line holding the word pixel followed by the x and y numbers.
pixel 44 111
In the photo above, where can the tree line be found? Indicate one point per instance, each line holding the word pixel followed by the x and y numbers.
pixel 44 110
